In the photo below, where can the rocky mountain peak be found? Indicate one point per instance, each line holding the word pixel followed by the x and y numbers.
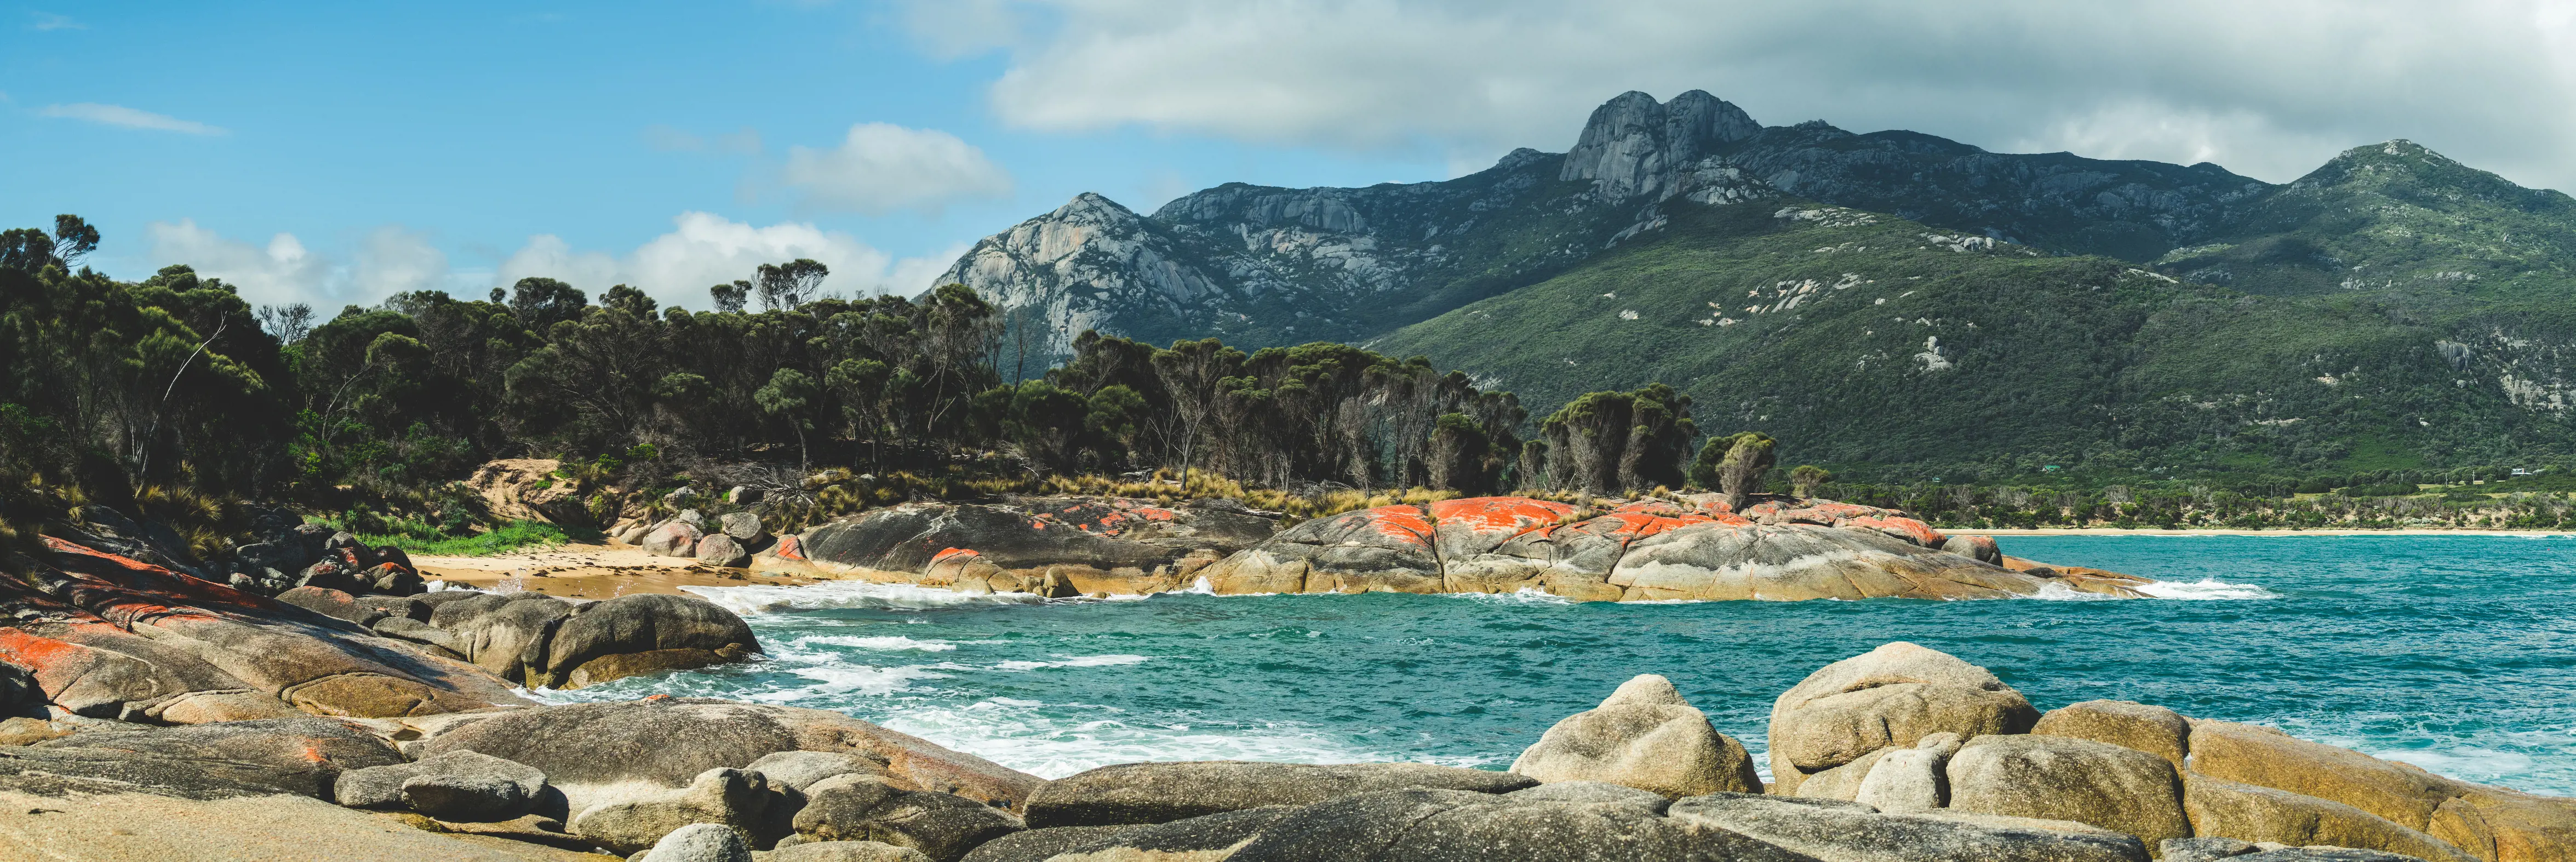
pixel 1634 145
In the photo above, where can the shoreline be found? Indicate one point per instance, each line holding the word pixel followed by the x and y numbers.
pixel 581 570
pixel 2403 531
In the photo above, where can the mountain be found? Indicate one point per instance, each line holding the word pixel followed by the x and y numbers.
pixel 1892 300
pixel 1263 265
pixel 2389 216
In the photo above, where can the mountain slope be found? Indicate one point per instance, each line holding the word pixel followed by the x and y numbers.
pixel 2391 216
pixel 1865 339
pixel 1261 265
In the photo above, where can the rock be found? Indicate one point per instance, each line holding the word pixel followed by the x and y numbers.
pixel 331 603
pixel 21 730
pixel 1092 539
pixel 719 549
pixel 125 824
pixel 847 851
pixel 603 752
pixel 505 633
pixel 1643 736
pixel 742 526
pixel 2265 757
pixel 1891 696
pixel 323 746
pixel 2500 824
pixel 1905 780
pixel 1593 793
pixel 529 489
pixel 667 631
pixel 693 518
pixel 2062 778
pixel 1835 831
pixel 1462 826
pixel 2325 854
pixel 734 799
pixel 1038 845
pixel 464 785
pixel 395 607
pixel 801 769
pixel 2151 729
pixel 942 826
pixel 415 631
pixel 2227 809
pixel 742 496
pixel 673 538
pixel 1979 548
pixel 373 787
pixel 2202 849
pixel 1843 782
pixel 1163 792
pixel 700 842
pixel 530 829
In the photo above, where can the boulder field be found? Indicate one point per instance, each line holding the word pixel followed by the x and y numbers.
pixel 1688 547
pixel 88 636
pixel 1902 754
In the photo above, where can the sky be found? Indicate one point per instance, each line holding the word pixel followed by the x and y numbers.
pixel 335 153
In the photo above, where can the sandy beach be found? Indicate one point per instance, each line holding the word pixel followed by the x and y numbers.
pixel 590 571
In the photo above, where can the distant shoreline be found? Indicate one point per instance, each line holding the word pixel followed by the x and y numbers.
pixel 2115 531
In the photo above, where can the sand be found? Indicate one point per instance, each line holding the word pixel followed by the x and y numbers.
pixel 591 571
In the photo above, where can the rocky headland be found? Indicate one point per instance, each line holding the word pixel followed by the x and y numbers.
pixel 159 715
pixel 1656 548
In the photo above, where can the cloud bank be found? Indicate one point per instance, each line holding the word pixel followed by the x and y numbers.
pixel 882 167
pixel 2268 89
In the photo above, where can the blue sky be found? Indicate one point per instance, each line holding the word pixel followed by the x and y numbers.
pixel 333 152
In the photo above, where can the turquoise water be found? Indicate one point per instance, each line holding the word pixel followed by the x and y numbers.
pixel 2454 653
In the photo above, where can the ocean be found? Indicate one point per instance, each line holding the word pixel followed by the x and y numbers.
pixel 2454 653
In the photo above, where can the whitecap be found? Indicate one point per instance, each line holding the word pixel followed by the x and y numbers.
pixel 1073 661
pixel 1052 741
pixel 765 599
pixel 888 642
pixel 2054 591
pixel 1522 596
pixel 2205 589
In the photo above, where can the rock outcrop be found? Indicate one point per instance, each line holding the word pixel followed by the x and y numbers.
pixel 1644 736
pixel 1089 545
pixel 528 489
pixel 106 636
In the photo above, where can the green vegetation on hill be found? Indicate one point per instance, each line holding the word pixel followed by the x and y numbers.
pixel 1889 350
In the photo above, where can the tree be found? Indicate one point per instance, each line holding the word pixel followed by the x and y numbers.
pixel 1458 455
pixel 729 298
pixel 1195 372
pixel 788 286
pixel 1808 480
pixel 1734 465
pixel 290 322
pixel 73 239
pixel 860 386
pixel 542 302
pixel 788 394
pixel 1117 417
pixel 628 299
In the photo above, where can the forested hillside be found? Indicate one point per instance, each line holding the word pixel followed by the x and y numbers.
pixel 1887 348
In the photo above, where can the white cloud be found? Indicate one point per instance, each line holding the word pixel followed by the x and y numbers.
pixel 2269 89
pixel 124 117
pixel 704 249
pixel 395 260
pixel 881 167
pixel 279 273
pixel 51 21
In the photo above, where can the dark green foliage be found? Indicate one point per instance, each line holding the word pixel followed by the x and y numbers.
pixel 1808 480
pixel 1613 442
pixel 1889 351
pixel 1734 465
